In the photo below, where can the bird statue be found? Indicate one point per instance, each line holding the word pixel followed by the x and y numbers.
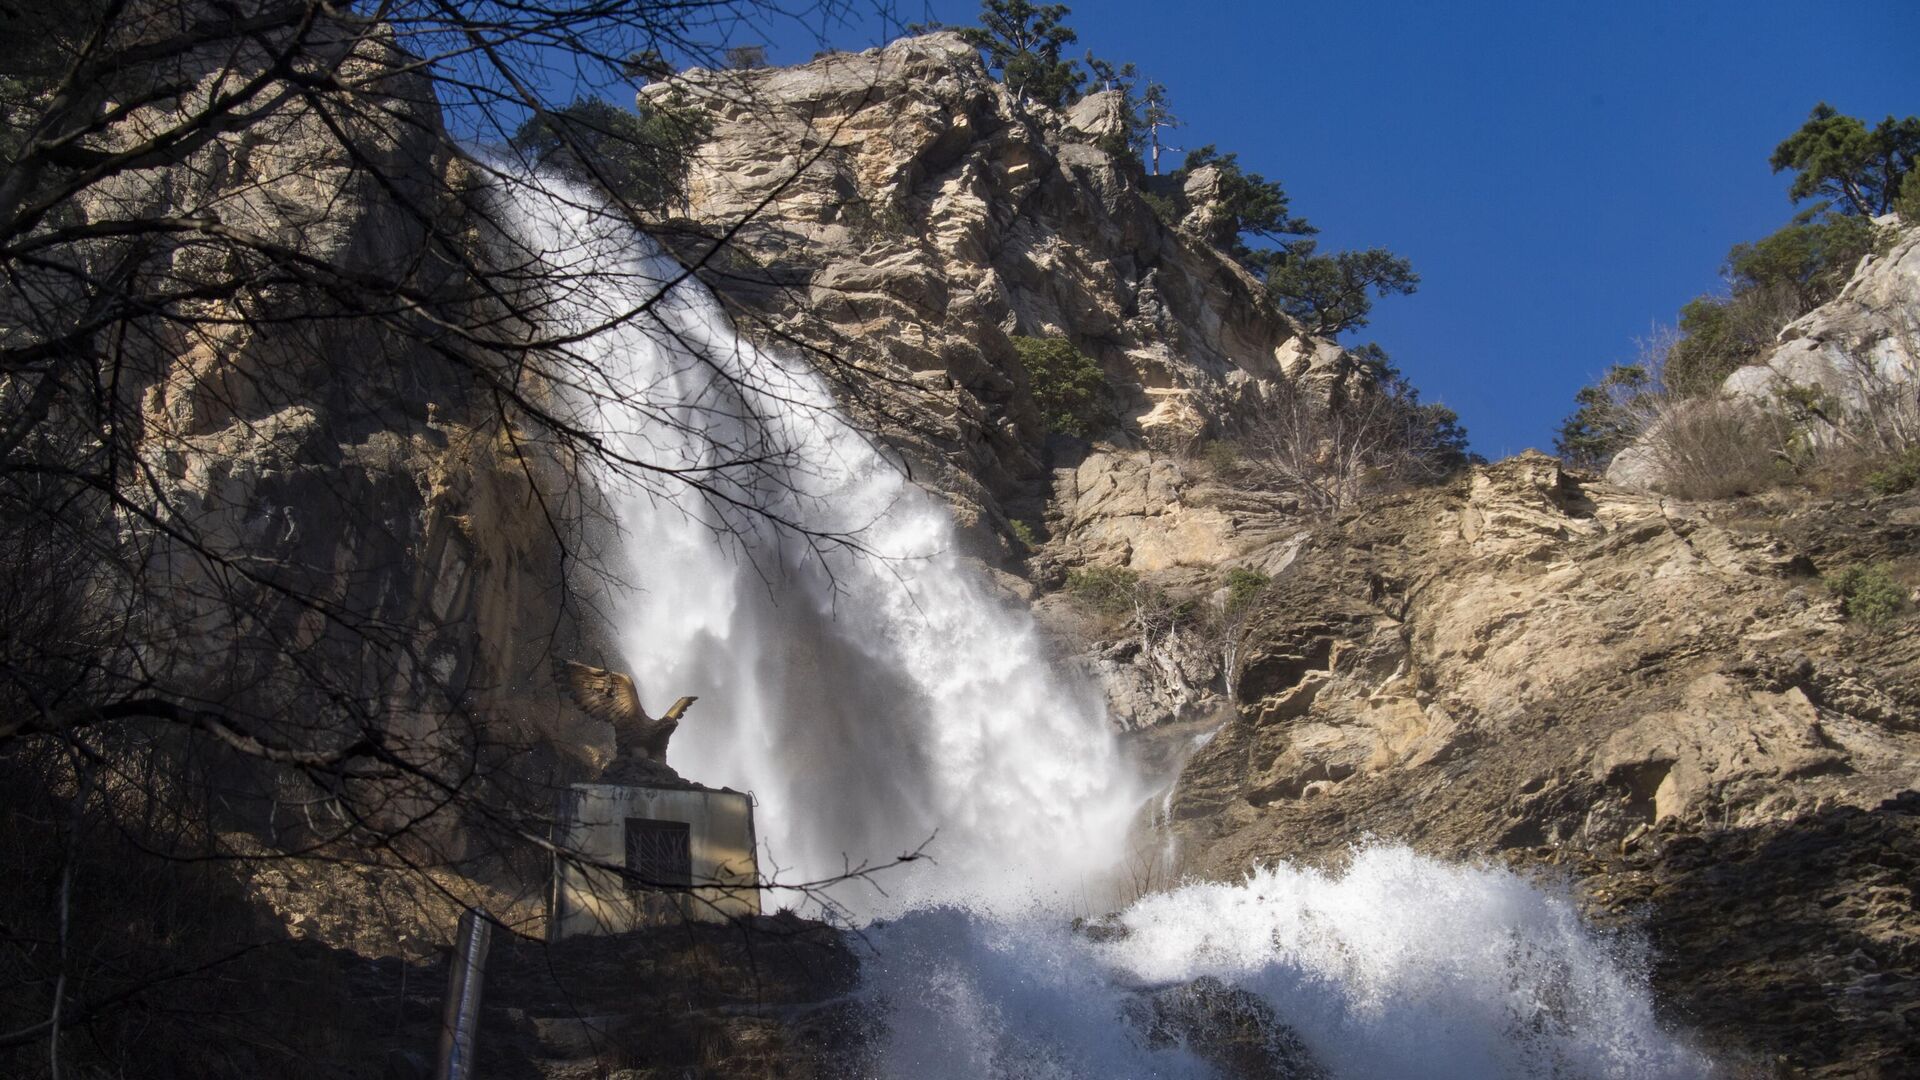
pixel 611 696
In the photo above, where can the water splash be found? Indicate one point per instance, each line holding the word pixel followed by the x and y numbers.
pixel 1402 966
pixel 871 697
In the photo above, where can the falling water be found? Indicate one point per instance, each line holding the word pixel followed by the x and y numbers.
pixel 872 696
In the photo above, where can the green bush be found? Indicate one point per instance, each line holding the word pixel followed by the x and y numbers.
pixel 1900 474
pixel 1023 532
pixel 1106 589
pixel 1068 386
pixel 1908 204
pixel 872 220
pixel 1869 594
pixel 1773 281
pixel 1244 587
pixel 1223 457
pixel 1164 207
pixel 1612 413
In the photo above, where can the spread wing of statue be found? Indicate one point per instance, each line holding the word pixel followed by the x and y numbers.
pixel 612 697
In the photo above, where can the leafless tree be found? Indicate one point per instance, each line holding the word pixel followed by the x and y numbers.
pixel 263 237
pixel 1328 438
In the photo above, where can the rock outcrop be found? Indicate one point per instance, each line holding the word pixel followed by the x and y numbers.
pixel 395 522
pixel 1859 343
pixel 1660 704
pixel 904 215
pixel 1573 676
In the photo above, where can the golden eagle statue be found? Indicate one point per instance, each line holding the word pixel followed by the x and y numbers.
pixel 611 696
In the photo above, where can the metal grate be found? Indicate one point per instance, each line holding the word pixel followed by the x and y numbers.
pixel 659 854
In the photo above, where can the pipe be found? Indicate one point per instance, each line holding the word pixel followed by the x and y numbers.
pixel 468 970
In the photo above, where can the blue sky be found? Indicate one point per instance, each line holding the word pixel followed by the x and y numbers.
pixel 1563 176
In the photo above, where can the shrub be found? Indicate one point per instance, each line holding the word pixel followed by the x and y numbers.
pixel 1068 386
pixel 1718 449
pixel 1368 431
pixel 746 57
pixel 871 220
pixel 1164 207
pixel 1900 474
pixel 1772 282
pixel 1244 587
pixel 1720 335
pixel 1908 204
pixel 1023 532
pixel 1869 594
pixel 1612 413
pixel 1106 589
pixel 1222 457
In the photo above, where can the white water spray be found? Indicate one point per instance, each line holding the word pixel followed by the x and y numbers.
pixel 1402 967
pixel 873 698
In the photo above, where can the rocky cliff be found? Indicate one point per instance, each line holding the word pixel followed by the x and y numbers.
pixel 356 502
pixel 1660 705
pixel 904 215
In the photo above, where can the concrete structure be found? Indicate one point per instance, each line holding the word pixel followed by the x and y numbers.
pixel 688 852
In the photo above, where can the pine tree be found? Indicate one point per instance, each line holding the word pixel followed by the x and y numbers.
pixel 1156 115
pixel 1329 294
pixel 1023 43
pixel 1838 158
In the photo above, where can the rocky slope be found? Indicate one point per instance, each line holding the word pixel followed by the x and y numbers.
pixel 1660 704
pixel 1657 704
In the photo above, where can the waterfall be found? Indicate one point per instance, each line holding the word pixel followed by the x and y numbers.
pixel 872 697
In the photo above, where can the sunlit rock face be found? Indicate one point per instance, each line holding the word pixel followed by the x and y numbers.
pixel 1855 345
pixel 907 216
pixel 1661 703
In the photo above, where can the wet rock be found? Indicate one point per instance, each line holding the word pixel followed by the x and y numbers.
pixel 1231 1029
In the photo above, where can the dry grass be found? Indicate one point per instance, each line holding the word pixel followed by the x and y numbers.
pixel 1718 449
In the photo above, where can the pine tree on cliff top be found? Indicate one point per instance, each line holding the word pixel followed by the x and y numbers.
pixel 1839 158
pixel 1023 42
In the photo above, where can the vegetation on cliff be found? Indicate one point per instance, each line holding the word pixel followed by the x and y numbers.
pixel 1854 173
pixel 1067 385
pixel 638 157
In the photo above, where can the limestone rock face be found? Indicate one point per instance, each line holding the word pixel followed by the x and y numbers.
pixel 1559 672
pixel 904 216
pixel 1865 339
pixel 334 457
